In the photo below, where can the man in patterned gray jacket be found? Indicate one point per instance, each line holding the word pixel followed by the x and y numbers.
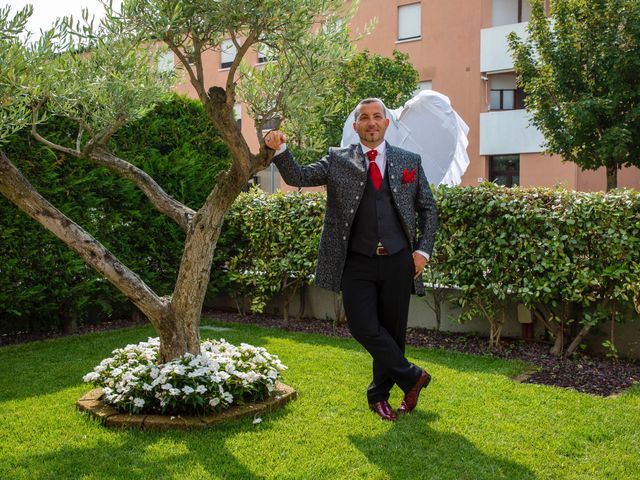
pixel 379 229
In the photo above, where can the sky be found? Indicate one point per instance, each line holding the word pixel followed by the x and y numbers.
pixel 46 11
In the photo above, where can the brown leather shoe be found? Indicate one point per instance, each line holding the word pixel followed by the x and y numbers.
pixel 384 410
pixel 410 399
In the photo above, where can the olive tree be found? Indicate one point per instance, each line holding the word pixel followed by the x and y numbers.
pixel 104 76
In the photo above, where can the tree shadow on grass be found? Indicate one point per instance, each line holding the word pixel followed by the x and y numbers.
pixel 44 367
pixel 412 449
pixel 134 454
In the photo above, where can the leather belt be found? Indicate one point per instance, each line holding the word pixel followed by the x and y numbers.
pixel 380 250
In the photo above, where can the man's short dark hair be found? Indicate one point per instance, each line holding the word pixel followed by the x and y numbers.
pixel 366 101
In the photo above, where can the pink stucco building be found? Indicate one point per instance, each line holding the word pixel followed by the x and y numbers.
pixel 459 48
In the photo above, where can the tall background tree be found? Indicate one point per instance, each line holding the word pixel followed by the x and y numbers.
pixel 116 80
pixel 579 69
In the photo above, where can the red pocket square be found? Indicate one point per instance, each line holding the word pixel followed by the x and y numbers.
pixel 408 176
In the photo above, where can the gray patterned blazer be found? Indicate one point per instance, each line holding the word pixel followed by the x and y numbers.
pixel 344 172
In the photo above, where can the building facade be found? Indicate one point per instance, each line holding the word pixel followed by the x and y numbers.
pixel 459 49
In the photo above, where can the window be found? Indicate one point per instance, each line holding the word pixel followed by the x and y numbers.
pixel 507 99
pixel 265 54
pixel 502 99
pixel 227 53
pixel 409 21
pixel 505 170
pixel 506 12
pixel 504 92
pixel 237 113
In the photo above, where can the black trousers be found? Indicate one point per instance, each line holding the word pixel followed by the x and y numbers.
pixel 376 292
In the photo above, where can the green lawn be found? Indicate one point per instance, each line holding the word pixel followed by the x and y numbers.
pixel 474 422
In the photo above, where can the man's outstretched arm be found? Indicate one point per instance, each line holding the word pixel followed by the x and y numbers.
pixel 292 173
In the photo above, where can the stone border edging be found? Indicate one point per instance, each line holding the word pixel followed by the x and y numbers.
pixel 112 418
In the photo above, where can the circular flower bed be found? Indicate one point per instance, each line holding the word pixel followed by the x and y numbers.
pixel 133 381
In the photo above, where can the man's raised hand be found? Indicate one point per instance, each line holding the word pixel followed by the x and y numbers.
pixel 274 139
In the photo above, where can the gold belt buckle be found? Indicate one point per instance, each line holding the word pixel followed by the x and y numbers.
pixel 380 250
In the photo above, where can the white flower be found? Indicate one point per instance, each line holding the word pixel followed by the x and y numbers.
pixel 257 421
pixel 222 367
pixel 91 377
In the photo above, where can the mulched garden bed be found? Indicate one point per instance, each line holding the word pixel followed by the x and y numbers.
pixel 594 375
pixel 598 376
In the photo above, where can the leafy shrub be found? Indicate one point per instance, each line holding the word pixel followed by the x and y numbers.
pixel 276 245
pixel 572 257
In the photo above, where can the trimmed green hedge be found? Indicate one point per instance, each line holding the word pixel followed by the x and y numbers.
pixel 572 257
pixel 275 240
pixel 43 284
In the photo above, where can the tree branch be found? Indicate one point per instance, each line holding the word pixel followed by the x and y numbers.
pixel 197 47
pixel 53 146
pixel 241 50
pixel 103 138
pixel 19 191
pixel 166 204
pixel 79 138
pixel 197 83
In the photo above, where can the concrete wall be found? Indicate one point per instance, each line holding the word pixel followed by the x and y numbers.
pixel 626 338
pixel 321 304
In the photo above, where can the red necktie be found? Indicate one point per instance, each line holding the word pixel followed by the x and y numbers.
pixel 374 171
